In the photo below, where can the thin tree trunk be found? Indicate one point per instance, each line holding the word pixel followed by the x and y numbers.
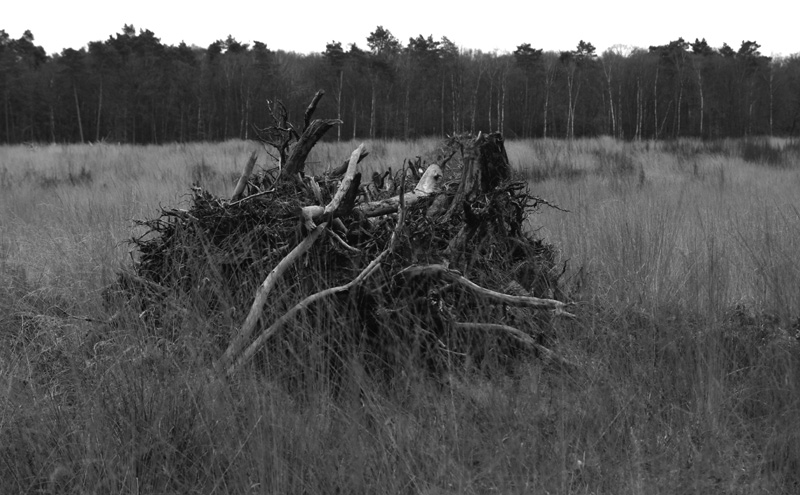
pixel 99 110
pixel 618 113
pixel 546 105
pixel 339 105
pixel 78 111
pixel 771 98
pixel 52 125
pixel 491 88
pixel 702 102
pixel 406 110
pixel 655 105
pixel 199 120
pixel 639 109
pixel 526 129
pixel 247 109
pixel 372 110
pixel 678 108
pixel 475 101
pixel 7 117
pixel 441 109
pixel 570 104
pixel 502 104
pixel 611 115
pixel 355 118
pixel 454 100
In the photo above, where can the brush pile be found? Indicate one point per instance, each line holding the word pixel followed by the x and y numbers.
pixel 429 266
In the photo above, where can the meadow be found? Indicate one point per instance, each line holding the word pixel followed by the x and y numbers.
pixel 682 259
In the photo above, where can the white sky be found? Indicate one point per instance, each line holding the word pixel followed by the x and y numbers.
pixel 307 25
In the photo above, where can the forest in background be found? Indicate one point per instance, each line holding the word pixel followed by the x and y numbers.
pixel 131 88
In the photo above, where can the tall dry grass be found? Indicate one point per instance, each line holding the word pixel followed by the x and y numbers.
pixel 681 258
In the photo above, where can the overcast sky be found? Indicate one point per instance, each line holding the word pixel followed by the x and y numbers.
pixel 306 26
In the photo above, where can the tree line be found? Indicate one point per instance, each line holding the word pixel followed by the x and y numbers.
pixel 132 88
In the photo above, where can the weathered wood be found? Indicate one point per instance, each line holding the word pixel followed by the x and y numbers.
pixel 297 159
pixel 244 334
pixel 312 107
pixel 246 173
pixel 485 167
pixel 249 325
pixel 230 367
pixel 428 185
pixel 344 186
pixel 341 169
pixel 444 273
pixel 492 161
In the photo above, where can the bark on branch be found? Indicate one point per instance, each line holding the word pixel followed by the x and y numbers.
pixel 444 273
pixel 230 368
pixel 297 159
pixel 246 173
pixel 263 291
pixel 429 184
pixel 312 107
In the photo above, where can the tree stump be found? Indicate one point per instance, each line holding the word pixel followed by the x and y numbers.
pixel 485 167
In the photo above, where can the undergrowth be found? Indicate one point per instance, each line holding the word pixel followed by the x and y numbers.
pixel 685 336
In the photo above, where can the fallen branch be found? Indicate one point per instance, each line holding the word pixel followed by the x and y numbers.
pixel 261 296
pixel 341 169
pixel 430 183
pixel 269 283
pixel 248 170
pixel 299 307
pixel 251 350
pixel 347 180
pixel 342 243
pixel 445 273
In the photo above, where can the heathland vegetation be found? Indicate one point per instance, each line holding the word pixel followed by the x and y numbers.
pixel 131 88
pixel 681 259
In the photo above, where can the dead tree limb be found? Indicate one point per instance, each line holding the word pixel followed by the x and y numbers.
pixel 269 283
pixel 280 135
pixel 247 355
pixel 241 338
pixel 429 184
pixel 341 169
pixel 246 173
pixel 297 159
pixel 311 108
pixel 344 186
pixel 444 273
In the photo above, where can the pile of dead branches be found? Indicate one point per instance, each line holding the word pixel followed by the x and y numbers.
pixel 429 265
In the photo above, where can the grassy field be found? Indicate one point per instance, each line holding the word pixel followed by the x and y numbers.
pixel 682 259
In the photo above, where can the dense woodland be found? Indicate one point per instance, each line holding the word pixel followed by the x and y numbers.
pixel 131 88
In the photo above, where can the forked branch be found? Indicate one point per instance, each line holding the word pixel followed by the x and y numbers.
pixel 230 368
pixel 263 291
